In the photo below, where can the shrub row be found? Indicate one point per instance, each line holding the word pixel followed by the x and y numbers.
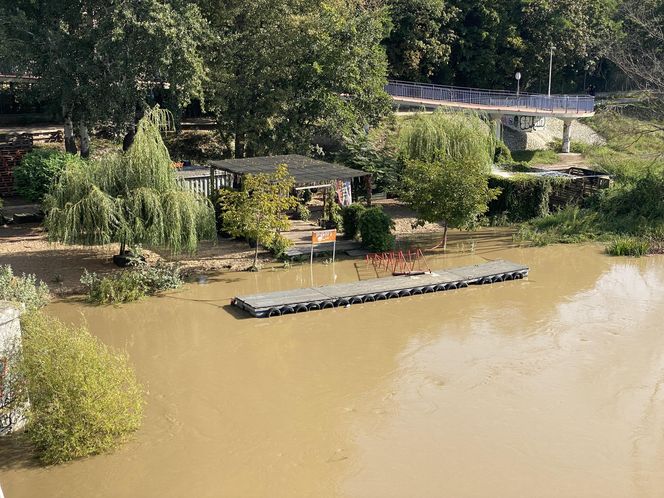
pixel 24 290
pixel 131 284
pixel 523 197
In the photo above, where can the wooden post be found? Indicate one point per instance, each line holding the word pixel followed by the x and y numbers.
pixel 368 183
pixel 324 218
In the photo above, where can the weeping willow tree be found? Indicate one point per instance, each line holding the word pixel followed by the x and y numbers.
pixel 445 136
pixel 448 159
pixel 129 198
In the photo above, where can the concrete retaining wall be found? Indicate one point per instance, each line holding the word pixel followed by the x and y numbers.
pixel 11 417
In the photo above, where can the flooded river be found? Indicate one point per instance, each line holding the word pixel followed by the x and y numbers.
pixel 545 387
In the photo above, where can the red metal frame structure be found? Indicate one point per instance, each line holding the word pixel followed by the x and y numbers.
pixel 410 262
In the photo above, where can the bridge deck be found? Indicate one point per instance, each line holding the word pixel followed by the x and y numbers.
pixel 496 101
pixel 498 109
pixel 329 296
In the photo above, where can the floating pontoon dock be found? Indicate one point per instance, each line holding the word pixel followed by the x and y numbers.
pixel 331 296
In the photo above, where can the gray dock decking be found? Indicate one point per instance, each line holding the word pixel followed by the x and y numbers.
pixel 330 296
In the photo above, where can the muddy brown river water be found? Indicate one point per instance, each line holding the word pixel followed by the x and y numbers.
pixel 546 387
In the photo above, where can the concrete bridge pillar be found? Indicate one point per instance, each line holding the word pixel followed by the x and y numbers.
pixel 567 124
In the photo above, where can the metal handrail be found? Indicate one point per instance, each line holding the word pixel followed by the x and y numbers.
pixel 494 98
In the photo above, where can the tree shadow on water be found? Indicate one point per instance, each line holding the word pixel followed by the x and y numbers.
pixel 16 452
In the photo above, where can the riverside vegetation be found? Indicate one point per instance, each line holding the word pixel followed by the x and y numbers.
pixel 84 397
pixel 630 214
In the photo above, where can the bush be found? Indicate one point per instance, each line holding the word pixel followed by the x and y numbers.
pixel 159 277
pixel 131 284
pixel 332 214
pixel 84 398
pixel 303 212
pixel 278 245
pixel 375 230
pixel 636 204
pixel 38 170
pixel 351 219
pixel 25 290
pixel 628 246
pixel 502 154
pixel 569 225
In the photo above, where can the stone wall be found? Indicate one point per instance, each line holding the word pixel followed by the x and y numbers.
pixel 12 416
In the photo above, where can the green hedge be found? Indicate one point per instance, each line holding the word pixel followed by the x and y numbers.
pixel 522 197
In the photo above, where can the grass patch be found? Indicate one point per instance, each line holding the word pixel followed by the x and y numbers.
pixel 567 226
pixel 628 246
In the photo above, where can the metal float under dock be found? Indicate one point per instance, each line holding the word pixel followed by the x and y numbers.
pixel 331 296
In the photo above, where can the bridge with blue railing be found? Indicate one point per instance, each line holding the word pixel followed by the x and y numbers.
pixel 495 103
pixel 428 95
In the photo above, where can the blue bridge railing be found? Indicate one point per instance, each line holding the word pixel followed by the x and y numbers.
pixel 568 104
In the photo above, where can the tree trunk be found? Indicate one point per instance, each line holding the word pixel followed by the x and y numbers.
pixel 70 139
pixel 443 242
pixel 239 145
pixel 85 139
pixel 255 265
pixel 131 131
pixel 128 138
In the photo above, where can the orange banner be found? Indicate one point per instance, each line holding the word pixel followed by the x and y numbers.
pixel 322 236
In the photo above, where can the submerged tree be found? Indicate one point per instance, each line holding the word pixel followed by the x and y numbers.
pixel 448 160
pixel 129 198
pixel 257 212
pixel 451 192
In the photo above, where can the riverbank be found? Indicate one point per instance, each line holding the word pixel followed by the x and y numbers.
pixel 27 249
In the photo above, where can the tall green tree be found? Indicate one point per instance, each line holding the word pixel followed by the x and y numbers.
pixel 448 160
pixel 103 62
pixel 639 52
pixel 578 30
pixel 488 44
pixel 287 70
pixel 129 198
pixel 421 38
pixel 452 192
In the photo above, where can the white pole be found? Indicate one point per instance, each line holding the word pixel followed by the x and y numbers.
pixel 334 250
pixel 311 261
pixel 550 67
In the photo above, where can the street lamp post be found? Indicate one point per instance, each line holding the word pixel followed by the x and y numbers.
pixel 517 76
pixel 551 66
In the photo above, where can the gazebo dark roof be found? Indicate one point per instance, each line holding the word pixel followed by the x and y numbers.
pixel 305 171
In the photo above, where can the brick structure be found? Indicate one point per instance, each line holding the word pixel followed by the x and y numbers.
pixel 12 150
